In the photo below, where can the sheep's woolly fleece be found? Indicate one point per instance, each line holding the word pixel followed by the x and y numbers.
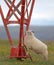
pixel 32 43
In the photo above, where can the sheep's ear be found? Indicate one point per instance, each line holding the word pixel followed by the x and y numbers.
pixel 33 31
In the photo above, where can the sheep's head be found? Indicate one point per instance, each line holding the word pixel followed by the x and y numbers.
pixel 29 33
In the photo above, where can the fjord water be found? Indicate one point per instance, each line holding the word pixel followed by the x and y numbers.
pixel 41 32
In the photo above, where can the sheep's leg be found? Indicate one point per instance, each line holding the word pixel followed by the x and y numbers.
pixel 27 52
pixel 45 55
pixel 29 55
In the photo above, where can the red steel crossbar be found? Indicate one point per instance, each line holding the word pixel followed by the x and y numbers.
pixel 19 51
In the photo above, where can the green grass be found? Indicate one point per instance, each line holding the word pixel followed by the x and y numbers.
pixel 38 60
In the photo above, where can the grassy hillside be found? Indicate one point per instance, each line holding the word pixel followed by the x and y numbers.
pixel 38 60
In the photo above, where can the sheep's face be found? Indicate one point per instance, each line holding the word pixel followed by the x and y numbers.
pixel 29 33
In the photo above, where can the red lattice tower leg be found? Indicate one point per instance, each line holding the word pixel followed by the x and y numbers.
pixel 19 51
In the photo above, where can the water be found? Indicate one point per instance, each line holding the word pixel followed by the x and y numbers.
pixel 41 32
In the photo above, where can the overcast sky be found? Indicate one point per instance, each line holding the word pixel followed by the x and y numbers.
pixel 43 12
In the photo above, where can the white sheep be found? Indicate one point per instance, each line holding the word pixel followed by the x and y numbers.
pixel 32 43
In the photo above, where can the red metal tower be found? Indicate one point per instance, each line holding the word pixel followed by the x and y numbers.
pixel 19 51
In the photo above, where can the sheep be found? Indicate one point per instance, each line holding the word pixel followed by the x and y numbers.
pixel 33 43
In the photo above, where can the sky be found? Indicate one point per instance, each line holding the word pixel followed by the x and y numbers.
pixel 43 12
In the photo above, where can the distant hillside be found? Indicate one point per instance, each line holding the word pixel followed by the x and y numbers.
pixel 41 32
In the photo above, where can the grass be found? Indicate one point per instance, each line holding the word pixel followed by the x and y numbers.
pixel 38 60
